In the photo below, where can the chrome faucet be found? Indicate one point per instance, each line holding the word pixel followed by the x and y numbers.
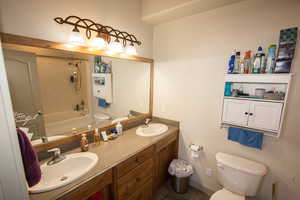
pixel 147 121
pixel 57 157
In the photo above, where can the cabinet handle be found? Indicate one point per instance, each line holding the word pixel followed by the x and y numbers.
pixel 246 113
pixel 137 159
pixel 250 114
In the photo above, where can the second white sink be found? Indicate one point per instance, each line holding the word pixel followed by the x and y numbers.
pixel 68 170
pixel 154 129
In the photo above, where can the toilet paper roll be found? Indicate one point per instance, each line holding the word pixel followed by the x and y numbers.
pixel 195 147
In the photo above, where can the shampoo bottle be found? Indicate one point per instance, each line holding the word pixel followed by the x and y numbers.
pixel 231 63
pixel 257 62
pixel 247 62
pixel 237 61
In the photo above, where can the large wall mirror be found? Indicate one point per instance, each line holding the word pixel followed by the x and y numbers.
pixel 57 94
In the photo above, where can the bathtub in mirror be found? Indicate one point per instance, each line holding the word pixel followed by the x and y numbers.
pixel 57 94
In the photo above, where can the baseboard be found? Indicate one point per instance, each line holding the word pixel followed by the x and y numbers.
pixel 203 189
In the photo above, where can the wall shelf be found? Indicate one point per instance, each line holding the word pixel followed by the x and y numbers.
pixel 259 78
pixel 253 99
pixel 262 115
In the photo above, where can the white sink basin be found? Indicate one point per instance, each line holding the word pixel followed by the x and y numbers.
pixel 151 130
pixel 68 170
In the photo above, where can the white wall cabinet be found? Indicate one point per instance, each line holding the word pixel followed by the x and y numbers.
pixel 252 114
pixel 260 114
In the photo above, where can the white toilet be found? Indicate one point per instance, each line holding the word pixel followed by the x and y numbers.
pixel 240 177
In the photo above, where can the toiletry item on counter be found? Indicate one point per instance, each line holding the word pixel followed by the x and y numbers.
pixel 231 63
pixel 258 61
pixel 119 128
pixel 237 61
pixel 260 92
pixel 97 136
pixel 227 92
pixel 271 58
pixel 286 50
pixel 84 143
pixel 104 136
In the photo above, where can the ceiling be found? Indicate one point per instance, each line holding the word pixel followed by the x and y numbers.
pixel 161 11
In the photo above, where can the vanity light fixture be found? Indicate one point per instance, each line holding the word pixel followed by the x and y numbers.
pixel 104 35
pixel 130 50
pixel 76 38
pixel 99 42
pixel 116 47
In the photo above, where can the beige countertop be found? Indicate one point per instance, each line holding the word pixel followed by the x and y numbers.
pixel 109 154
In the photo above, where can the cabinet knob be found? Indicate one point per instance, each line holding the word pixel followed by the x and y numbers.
pixel 246 113
pixel 250 114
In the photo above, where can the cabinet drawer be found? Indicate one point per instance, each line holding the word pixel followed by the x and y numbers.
pixel 165 142
pixel 144 193
pixel 87 189
pixel 134 161
pixel 131 182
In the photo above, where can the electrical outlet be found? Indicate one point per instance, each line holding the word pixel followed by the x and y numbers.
pixel 208 172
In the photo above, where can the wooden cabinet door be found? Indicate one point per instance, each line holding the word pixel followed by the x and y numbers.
pixel 144 193
pixel 165 157
pixel 236 111
pixel 265 115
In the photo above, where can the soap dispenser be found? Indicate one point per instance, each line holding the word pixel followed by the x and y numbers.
pixel 119 128
pixel 84 143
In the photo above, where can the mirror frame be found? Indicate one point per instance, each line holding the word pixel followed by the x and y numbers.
pixel 6 38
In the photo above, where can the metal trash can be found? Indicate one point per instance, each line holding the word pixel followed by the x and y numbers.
pixel 181 172
pixel 180 184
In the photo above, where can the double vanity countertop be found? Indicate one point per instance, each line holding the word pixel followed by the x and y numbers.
pixel 110 154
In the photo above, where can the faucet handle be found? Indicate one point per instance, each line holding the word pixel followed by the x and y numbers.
pixel 147 121
pixel 55 150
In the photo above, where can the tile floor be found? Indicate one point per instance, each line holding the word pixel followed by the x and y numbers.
pixel 167 193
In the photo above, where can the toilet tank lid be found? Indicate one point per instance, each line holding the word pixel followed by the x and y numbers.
pixel 241 164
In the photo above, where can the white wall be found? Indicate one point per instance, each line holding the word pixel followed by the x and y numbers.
pixel 191 55
pixel 34 18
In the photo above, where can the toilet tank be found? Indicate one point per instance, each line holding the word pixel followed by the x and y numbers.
pixel 239 175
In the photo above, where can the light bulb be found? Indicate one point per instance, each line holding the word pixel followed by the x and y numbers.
pixel 99 43
pixel 130 50
pixel 116 47
pixel 76 38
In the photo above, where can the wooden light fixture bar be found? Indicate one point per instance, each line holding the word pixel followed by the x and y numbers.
pixel 100 29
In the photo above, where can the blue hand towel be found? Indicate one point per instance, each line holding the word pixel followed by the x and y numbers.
pixel 246 137
pixel 102 103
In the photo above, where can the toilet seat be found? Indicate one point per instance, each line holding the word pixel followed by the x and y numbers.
pixel 226 195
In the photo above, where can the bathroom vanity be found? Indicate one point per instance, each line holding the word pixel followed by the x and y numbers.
pixel 131 167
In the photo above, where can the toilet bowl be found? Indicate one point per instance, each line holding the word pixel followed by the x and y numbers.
pixel 226 195
pixel 239 177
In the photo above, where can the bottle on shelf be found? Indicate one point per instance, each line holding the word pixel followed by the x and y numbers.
pixel 242 67
pixel 258 61
pixel 231 63
pixel 237 61
pixel 247 62
pixel 271 59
